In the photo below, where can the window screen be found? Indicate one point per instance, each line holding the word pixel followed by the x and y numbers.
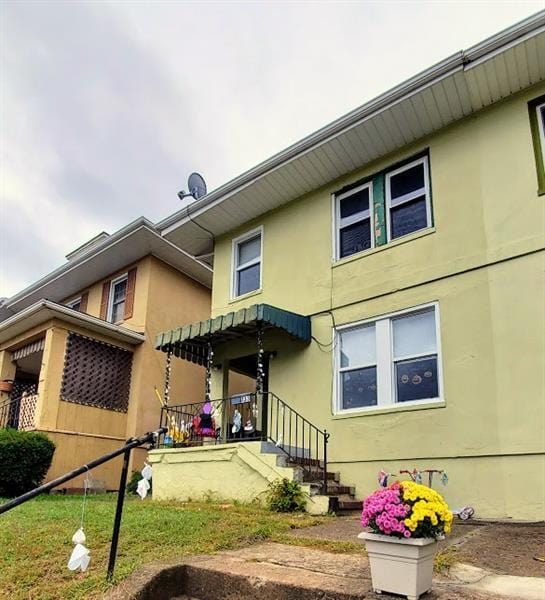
pixel 408 193
pixel 247 275
pixel 354 221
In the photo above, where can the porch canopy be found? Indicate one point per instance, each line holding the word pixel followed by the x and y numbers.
pixel 191 342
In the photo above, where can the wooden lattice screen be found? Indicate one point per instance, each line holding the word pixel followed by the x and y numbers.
pixel 96 374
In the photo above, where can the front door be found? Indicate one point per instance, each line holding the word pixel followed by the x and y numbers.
pixel 247 413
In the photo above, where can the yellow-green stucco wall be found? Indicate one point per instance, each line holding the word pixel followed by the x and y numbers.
pixel 482 262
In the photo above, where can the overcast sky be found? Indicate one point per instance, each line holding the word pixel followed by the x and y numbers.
pixel 106 107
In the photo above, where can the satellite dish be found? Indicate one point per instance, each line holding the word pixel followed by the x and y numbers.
pixel 196 185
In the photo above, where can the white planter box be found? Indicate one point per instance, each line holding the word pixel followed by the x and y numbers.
pixel 400 566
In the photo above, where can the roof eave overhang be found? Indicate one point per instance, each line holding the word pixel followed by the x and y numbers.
pixel 44 311
pixel 126 246
pixel 453 89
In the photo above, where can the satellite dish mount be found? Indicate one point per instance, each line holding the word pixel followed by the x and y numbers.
pixel 196 185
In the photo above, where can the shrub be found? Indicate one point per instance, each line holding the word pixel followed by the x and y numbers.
pixel 407 509
pixel 284 495
pixel 25 457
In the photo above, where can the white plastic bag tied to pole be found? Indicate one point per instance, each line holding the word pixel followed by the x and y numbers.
pixel 143 486
pixel 81 556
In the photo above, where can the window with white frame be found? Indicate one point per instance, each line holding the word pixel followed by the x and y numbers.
pixel 117 297
pixel 391 360
pixel 408 199
pixel 74 304
pixel 353 218
pixel 541 127
pixel 247 258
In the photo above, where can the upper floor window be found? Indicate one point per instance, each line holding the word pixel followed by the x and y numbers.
pixel 388 205
pixel 392 360
pixel 74 304
pixel 79 303
pixel 118 296
pixel 353 217
pixel 540 110
pixel 247 258
pixel 537 122
pixel 408 199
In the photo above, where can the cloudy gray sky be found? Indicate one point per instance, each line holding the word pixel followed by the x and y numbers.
pixel 106 107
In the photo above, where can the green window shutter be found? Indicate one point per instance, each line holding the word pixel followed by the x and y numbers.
pixel 379 208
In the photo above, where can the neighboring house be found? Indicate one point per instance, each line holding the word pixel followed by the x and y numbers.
pixel 393 262
pixel 78 345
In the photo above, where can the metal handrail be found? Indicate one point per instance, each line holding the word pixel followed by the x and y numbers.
pixel 152 436
pixel 290 432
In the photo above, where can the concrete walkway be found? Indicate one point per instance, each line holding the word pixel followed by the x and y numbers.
pixel 507 586
pixel 274 571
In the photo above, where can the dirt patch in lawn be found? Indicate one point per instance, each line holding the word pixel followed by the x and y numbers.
pixel 508 549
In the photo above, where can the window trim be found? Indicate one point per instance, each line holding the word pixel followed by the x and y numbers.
pixel 336 199
pixel 113 283
pixel 541 129
pixel 407 197
pixel 71 303
pixel 235 242
pixel 538 140
pixel 386 388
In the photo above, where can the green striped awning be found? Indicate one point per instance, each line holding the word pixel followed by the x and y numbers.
pixel 190 342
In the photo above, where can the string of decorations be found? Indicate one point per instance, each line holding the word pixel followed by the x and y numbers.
pixel 260 376
pixel 168 372
pixel 415 475
pixel 208 377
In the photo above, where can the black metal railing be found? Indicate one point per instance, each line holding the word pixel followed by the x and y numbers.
pixel 250 417
pixel 151 437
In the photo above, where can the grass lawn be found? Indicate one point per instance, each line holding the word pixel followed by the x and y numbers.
pixel 35 539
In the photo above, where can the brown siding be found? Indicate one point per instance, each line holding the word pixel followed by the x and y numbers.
pixel 83 302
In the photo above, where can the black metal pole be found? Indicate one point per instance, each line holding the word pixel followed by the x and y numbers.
pixel 119 511
pixel 148 437
pixel 326 437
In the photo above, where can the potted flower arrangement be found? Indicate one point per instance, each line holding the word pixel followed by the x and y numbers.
pixel 405 520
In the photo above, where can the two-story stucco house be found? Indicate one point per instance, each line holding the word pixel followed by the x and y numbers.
pixel 78 345
pixel 383 280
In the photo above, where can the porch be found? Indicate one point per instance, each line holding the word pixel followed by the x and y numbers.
pixel 59 371
pixel 225 440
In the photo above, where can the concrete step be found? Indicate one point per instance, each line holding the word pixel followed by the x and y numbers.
pixel 349 504
pixel 259 572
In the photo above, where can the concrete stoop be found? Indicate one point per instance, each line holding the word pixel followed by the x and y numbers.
pixel 238 471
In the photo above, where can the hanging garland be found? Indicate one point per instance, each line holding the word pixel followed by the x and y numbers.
pixel 168 372
pixel 208 379
pixel 260 372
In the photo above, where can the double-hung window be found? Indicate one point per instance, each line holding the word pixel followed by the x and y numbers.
pixel 117 297
pixel 408 198
pixel 353 217
pixel 247 257
pixel 391 360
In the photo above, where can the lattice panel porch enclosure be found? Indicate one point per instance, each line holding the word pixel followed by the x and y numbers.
pixel 96 374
